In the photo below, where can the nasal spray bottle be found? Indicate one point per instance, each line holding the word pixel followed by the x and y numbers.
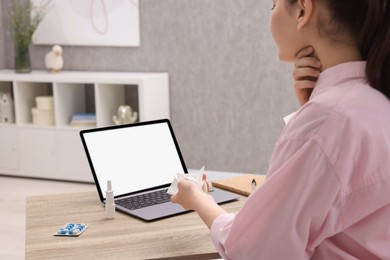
pixel 110 205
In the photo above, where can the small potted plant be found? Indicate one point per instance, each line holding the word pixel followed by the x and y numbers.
pixel 24 19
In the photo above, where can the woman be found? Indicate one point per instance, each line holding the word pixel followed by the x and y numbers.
pixel 327 191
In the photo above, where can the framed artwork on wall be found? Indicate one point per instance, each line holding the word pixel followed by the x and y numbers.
pixel 89 23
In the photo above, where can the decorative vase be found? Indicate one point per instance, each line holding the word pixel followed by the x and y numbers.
pixel 22 59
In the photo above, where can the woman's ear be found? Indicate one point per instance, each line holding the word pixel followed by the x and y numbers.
pixel 305 12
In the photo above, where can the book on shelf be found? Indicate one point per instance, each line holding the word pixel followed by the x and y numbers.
pixel 83 119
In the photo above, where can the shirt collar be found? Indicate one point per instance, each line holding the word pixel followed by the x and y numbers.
pixel 339 73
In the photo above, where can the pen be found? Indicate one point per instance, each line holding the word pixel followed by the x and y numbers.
pixel 253 184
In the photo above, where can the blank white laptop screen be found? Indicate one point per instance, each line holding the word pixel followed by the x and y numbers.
pixel 134 158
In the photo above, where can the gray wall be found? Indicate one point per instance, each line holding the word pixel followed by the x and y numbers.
pixel 228 90
pixel 3 57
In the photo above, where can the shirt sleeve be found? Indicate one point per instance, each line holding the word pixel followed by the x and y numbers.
pixel 289 214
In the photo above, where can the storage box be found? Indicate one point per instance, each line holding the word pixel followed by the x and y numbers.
pixel 45 102
pixel 42 117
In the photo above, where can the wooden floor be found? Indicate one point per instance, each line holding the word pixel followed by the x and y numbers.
pixel 13 193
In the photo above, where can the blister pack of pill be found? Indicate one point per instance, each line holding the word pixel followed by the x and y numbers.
pixel 71 230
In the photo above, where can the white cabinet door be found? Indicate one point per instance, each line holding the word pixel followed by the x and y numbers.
pixel 38 152
pixel 72 161
pixel 8 148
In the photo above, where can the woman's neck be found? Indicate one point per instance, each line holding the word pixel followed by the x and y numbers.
pixel 333 53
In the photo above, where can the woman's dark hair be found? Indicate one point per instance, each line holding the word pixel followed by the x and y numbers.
pixel 369 20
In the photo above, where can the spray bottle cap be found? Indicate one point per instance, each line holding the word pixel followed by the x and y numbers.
pixel 109 188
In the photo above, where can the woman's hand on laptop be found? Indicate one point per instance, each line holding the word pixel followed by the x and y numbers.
pixel 187 195
pixel 190 197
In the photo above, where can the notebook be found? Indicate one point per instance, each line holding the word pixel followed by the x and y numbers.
pixel 239 184
pixel 140 160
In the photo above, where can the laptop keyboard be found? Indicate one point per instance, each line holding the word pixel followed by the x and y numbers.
pixel 144 200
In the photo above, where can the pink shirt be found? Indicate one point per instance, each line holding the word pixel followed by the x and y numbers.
pixel 327 191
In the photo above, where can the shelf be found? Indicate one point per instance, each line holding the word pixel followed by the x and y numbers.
pixel 54 151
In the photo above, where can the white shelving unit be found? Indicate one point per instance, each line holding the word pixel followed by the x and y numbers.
pixel 56 152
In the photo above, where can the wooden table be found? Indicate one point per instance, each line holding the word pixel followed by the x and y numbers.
pixel 180 237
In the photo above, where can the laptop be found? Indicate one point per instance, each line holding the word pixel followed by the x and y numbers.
pixel 141 160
